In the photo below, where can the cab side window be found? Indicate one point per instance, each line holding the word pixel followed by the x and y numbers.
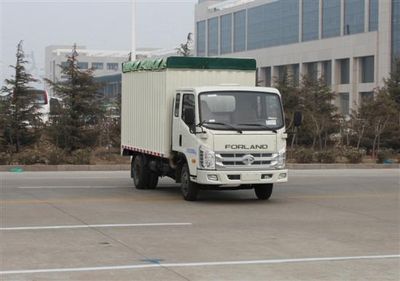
pixel 177 101
pixel 187 106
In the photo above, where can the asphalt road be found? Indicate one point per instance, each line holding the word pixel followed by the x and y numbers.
pixel 321 225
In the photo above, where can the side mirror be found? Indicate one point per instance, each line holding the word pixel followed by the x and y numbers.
pixel 297 119
pixel 189 116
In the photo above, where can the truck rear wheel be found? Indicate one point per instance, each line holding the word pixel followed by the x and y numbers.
pixel 140 172
pixel 263 191
pixel 189 189
pixel 152 180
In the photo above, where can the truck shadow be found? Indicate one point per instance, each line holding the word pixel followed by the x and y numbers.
pixel 220 196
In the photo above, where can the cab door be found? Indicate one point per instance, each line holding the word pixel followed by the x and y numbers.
pixel 185 141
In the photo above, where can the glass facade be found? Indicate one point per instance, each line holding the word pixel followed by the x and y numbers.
pixel 373 15
pixel 201 38
pixel 327 72
pixel 395 29
pixel 282 73
pixel 226 34
pixel 112 66
pixel 312 70
pixel 273 24
pixel 97 65
pixel 212 37
pixel 296 74
pixel 344 71
pixel 330 18
pixel 83 65
pixel 353 16
pixel 310 17
pixel 239 31
pixel 344 103
pixel 365 97
pixel 367 69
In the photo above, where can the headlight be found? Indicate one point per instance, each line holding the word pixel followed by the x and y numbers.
pixel 281 159
pixel 207 158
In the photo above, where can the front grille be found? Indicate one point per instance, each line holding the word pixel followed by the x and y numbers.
pixel 261 160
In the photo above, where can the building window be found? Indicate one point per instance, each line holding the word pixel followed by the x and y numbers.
pixel 310 20
pixel 112 66
pixel 367 69
pixel 330 18
pixel 201 38
pixel 327 72
pixel 213 37
pixel 365 97
pixel 97 65
pixel 239 31
pixel 373 15
pixel 344 71
pixel 344 103
pixel 226 34
pixel 282 74
pixel 64 64
pixel 266 27
pixel 312 71
pixel 395 30
pixel 353 16
pixel 295 75
pixel 83 65
pixel 264 77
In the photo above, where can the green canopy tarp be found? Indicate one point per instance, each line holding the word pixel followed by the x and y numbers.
pixel 189 63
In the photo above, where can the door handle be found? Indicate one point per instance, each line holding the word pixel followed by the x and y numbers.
pixel 180 140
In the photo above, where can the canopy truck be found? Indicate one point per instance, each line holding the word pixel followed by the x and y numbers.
pixel 203 123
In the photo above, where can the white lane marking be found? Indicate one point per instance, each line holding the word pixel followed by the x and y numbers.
pixel 95 226
pixel 196 264
pixel 70 186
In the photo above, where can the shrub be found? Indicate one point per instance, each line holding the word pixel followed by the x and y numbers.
pixel 80 157
pixel 385 154
pixel 5 158
pixel 30 157
pixel 56 156
pixel 326 156
pixel 303 155
pixel 354 155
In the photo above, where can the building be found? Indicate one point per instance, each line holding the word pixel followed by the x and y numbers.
pixel 104 63
pixel 350 43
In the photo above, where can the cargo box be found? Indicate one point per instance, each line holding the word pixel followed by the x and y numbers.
pixel 149 88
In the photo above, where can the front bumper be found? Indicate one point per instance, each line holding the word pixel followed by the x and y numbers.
pixel 241 177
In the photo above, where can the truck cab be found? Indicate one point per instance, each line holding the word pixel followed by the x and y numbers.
pixel 230 137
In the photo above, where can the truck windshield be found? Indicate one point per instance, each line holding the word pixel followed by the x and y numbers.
pixel 240 109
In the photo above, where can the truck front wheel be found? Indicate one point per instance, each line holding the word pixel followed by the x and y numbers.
pixel 189 189
pixel 263 191
pixel 141 174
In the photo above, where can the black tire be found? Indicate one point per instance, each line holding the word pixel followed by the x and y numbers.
pixel 263 191
pixel 189 189
pixel 140 173
pixel 152 181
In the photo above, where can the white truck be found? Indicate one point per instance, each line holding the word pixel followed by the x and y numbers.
pixel 204 123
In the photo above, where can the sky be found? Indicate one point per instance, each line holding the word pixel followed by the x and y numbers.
pixel 96 24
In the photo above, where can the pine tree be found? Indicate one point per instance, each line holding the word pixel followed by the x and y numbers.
pixel 319 112
pixel 77 125
pixel 20 119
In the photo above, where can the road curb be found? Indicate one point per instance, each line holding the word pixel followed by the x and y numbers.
pixel 126 167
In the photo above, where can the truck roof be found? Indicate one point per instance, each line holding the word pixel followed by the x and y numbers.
pixel 157 64
pixel 229 88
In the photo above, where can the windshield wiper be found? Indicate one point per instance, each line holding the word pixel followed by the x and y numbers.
pixel 220 123
pixel 259 125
